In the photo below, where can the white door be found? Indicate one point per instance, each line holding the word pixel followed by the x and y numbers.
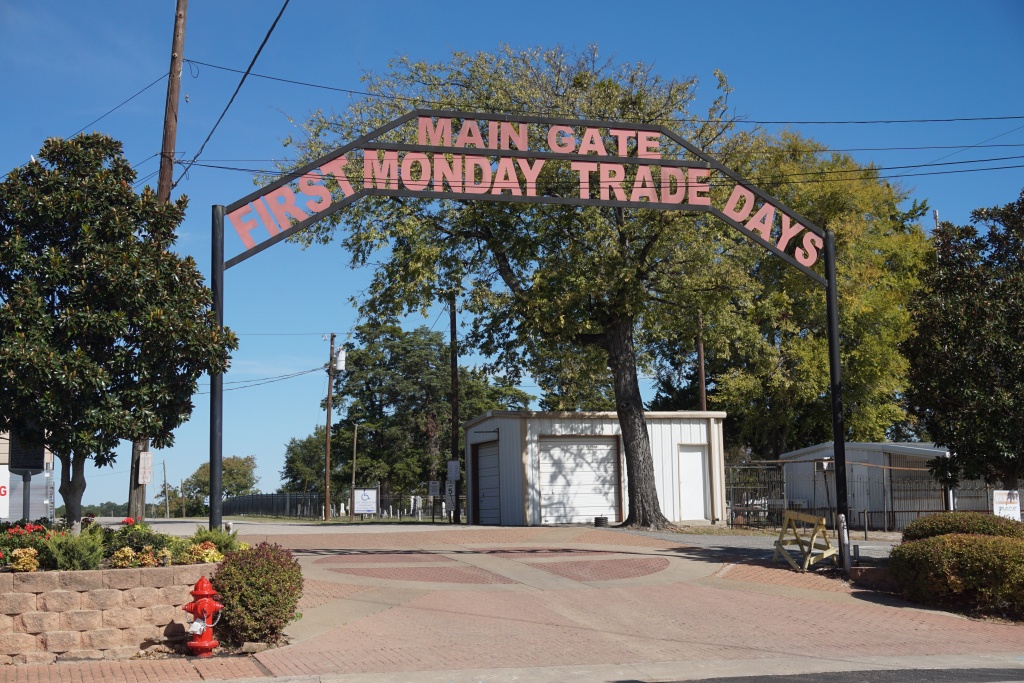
pixel 488 498
pixel 693 483
pixel 579 480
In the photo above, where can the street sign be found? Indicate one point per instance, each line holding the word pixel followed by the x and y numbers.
pixel 146 467
pixel 449 494
pixel 434 488
pixel 453 470
pixel 366 502
pixel 1006 504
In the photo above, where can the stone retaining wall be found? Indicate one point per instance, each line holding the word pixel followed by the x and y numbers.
pixel 101 614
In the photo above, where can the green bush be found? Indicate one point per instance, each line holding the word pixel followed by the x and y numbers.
pixel 225 541
pixel 968 572
pixel 180 549
pixel 962 523
pixel 260 588
pixel 75 552
pixel 137 536
pixel 25 535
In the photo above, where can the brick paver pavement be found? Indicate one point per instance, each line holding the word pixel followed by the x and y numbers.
pixel 447 600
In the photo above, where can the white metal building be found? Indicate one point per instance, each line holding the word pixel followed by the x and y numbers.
pixel 531 468
pixel 888 483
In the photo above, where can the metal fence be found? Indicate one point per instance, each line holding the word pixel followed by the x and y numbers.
pixel 880 498
pixel 311 506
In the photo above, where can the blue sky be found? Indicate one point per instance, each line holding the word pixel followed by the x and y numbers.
pixel 66 63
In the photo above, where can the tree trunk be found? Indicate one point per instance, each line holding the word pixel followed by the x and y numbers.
pixel 644 508
pixel 72 487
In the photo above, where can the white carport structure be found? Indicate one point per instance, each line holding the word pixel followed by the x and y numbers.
pixel 530 468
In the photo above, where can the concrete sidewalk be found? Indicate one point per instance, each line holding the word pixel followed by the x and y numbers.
pixel 424 603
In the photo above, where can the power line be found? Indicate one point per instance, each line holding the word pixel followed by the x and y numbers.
pixel 234 94
pixel 351 91
pixel 268 380
pixel 159 78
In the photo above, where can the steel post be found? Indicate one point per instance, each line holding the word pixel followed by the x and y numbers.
pixel 216 378
pixel 835 374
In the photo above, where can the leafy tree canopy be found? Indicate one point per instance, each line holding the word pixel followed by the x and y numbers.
pixel 967 358
pixel 104 331
pixel 397 387
pixel 239 478
pixel 773 376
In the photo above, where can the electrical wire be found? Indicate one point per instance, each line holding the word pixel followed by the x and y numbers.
pixel 267 380
pixel 235 93
pixel 351 91
pixel 108 113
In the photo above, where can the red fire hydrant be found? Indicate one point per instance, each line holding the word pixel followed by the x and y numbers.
pixel 203 608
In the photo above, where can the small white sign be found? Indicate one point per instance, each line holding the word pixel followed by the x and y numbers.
pixel 145 467
pixel 434 488
pixel 1006 504
pixel 453 470
pixel 449 488
pixel 5 492
pixel 366 502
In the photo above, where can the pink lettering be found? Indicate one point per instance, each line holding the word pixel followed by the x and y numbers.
pixel 762 221
pixel 448 173
pixel 408 177
pixel 530 173
pixel 319 195
pixel 282 205
pixel 672 178
pixel 788 232
pixel 244 225
pixel 268 222
pixel 336 168
pixel 643 186
pixel 699 187
pixel 509 135
pixel 429 134
pixel 375 168
pixel 469 134
pixel 739 214
pixel 809 254
pixel 472 164
pixel 492 134
pixel 647 144
pixel 623 136
pixel 592 142
pixel 505 178
pixel 612 176
pixel 556 135
pixel 585 168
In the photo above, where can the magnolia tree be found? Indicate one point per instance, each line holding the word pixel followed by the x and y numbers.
pixel 104 331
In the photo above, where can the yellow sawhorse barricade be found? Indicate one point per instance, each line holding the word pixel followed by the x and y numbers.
pixel 818 541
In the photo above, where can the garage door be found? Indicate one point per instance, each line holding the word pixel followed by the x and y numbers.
pixel 579 480
pixel 488 500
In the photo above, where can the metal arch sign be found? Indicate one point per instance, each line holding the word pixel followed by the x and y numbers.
pixel 467 156
pixel 475 156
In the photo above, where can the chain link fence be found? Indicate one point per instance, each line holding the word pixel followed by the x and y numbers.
pixel 409 507
pixel 880 498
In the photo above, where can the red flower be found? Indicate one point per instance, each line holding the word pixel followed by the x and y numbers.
pixel 128 521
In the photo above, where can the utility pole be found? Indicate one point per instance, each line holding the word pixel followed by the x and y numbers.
pixel 184 510
pixel 327 451
pixel 455 402
pixel 702 385
pixel 167 498
pixel 137 491
pixel 352 493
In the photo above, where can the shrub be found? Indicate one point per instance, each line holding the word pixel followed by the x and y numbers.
pixel 180 550
pixel 123 558
pixel 224 540
pixel 75 552
pixel 204 552
pixel 26 535
pixel 136 536
pixel 260 589
pixel 962 523
pixel 969 572
pixel 24 560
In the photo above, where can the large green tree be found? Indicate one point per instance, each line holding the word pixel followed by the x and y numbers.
pixel 967 358
pixel 239 478
pixel 104 331
pixel 396 387
pixel 542 277
pixel 771 372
